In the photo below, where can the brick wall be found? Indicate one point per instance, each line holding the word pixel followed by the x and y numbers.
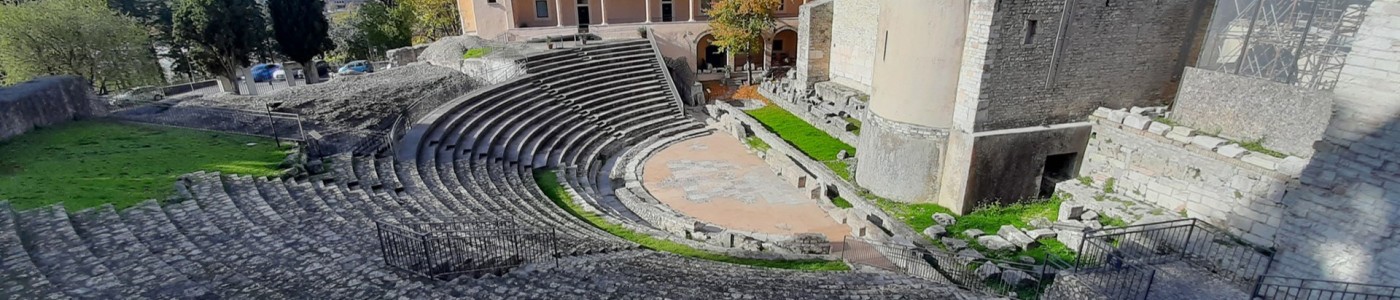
pixel 853 35
pixel 1114 53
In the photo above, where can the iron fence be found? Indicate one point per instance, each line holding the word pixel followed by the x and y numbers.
pixel 446 250
pixel 265 123
pixel 1280 287
pixel 1109 282
pixel 1190 240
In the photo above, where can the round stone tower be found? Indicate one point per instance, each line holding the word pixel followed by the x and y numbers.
pixel 913 91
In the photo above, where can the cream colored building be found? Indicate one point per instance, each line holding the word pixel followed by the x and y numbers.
pixel 681 26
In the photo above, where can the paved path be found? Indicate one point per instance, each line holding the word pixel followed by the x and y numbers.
pixel 714 179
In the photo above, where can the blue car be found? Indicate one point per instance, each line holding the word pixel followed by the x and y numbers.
pixel 356 67
pixel 263 72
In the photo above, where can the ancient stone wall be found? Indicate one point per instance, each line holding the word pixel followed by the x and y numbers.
pixel 853 35
pixel 1180 171
pixel 1287 118
pixel 813 42
pixel 46 101
pixel 1048 66
pixel 1343 221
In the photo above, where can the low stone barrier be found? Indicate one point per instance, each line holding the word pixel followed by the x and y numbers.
pixel 46 101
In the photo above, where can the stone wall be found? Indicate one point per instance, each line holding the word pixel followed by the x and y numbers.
pixel 1343 220
pixel 1181 171
pixel 813 41
pixel 825 106
pixel 853 35
pixel 1287 118
pixel 1114 54
pixel 46 101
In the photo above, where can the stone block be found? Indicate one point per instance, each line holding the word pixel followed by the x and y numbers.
pixel 1070 211
pixel 973 233
pixel 1117 116
pixel 1137 110
pixel 967 256
pixel 1159 128
pixel 1043 233
pixel 988 271
pixel 1181 133
pixel 995 243
pixel 1089 216
pixel 1231 151
pixel 935 231
pixel 1138 122
pixel 1292 165
pixel 1262 160
pixel 944 219
pixel 1071 238
pixel 1016 236
pixel 1103 112
pixel 953 244
pixel 1207 142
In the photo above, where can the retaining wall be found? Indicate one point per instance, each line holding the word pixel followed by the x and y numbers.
pixel 1288 118
pixel 46 101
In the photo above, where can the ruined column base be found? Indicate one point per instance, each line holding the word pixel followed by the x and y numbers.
pixel 900 161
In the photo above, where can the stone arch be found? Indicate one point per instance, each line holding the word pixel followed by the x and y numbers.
pixel 783 46
pixel 707 55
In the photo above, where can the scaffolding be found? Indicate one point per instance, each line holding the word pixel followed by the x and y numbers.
pixel 1298 42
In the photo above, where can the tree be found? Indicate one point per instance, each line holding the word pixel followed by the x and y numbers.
pixel 75 37
pixel 221 33
pixel 349 42
pixel 433 19
pixel 382 27
pixel 739 26
pixel 301 32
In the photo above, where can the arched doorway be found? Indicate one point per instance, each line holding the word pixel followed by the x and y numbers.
pixel 784 48
pixel 708 56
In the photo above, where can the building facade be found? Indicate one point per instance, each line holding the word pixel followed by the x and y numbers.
pixel 681 26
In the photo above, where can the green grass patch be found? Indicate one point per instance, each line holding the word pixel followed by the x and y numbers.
pixel 841 168
pixel 1111 221
pixel 757 144
pixel 1108 185
pixel 1165 120
pixel 476 53
pixel 549 183
pixel 1257 146
pixel 808 139
pixel 89 163
pixel 841 202
pixel 988 219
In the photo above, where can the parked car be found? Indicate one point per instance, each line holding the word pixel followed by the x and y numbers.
pixel 356 67
pixel 279 75
pixel 264 72
pixel 136 96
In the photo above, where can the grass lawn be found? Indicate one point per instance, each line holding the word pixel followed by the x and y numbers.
pixel 476 52
pixel 808 139
pixel 549 183
pixel 919 216
pixel 88 163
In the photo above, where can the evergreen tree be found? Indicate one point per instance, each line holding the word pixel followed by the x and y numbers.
pixel 301 32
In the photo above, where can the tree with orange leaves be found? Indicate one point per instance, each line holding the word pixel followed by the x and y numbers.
pixel 739 26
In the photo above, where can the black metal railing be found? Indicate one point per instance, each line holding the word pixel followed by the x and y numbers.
pixel 1190 240
pixel 446 250
pixel 999 277
pixel 1280 287
pixel 1120 282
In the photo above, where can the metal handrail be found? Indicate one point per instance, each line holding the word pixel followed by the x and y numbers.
pixel 1303 291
